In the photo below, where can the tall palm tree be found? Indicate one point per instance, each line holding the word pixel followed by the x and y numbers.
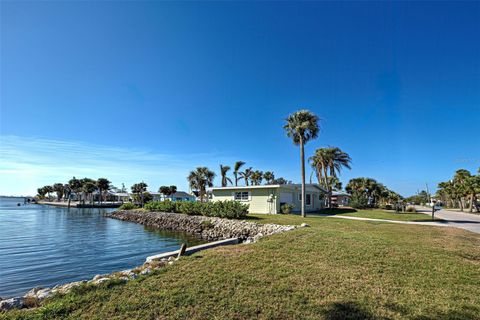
pixel 223 173
pixel 328 163
pixel 236 170
pixel 200 179
pixel 269 176
pixel 302 126
pixel 246 175
pixel 257 177
pixel 460 181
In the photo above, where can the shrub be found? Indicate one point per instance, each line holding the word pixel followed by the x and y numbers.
pixel 188 207
pixel 410 209
pixel 128 206
pixel 161 206
pixel 222 209
pixel 287 208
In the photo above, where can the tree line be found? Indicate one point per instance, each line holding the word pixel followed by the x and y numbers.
pixel 461 191
pixel 369 193
pixel 84 190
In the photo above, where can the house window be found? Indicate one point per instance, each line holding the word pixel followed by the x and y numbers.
pixel 241 196
pixel 308 199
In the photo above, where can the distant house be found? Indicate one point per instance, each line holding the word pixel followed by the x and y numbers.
pixel 177 196
pixel 340 198
pixel 270 198
pixel 181 196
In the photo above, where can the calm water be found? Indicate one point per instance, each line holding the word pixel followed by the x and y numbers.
pixel 45 246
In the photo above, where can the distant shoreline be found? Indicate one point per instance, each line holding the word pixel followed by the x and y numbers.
pixel 76 204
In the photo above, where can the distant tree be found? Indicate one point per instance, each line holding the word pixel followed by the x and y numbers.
pixel 75 187
pixel 246 175
pixel 41 192
pixel 48 190
pixel 269 177
pixel 89 187
pixel 223 173
pixel 167 190
pixel 103 186
pixel 59 190
pixel 200 179
pixel 281 180
pixel 236 170
pixel 147 197
pixel 302 126
pixel 139 189
pixel 67 193
pixel 256 177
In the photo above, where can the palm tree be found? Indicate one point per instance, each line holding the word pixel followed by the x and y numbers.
pixel 103 185
pixel 200 179
pixel 223 173
pixel 76 187
pixel 167 190
pixel 269 177
pixel 245 175
pixel 139 189
pixel 328 163
pixel 460 181
pixel 257 177
pixel 89 188
pixel 302 126
pixel 236 169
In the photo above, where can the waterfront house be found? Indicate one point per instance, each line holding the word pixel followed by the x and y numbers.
pixel 270 198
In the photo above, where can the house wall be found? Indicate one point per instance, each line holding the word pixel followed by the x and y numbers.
pixel 316 195
pixel 258 201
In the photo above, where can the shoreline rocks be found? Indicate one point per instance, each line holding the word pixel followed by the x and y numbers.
pixel 207 228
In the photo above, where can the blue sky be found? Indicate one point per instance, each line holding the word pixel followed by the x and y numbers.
pixel 149 90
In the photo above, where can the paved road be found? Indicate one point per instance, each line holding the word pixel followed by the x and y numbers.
pixel 466 221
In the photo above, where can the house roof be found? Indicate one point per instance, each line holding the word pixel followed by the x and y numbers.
pixel 268 186
pixel 340 193
pixel 182 194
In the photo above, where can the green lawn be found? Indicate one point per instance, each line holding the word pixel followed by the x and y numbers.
pixel 335 269
pixel 383 214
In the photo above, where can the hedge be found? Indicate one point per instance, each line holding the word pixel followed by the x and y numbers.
pixel 223 209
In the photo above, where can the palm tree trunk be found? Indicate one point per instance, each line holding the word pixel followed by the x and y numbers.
pixel 302 159
pixel 472 197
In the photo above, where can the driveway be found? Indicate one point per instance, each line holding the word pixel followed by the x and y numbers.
pixel 466 221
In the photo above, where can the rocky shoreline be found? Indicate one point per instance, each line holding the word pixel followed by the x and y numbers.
pixel 207 228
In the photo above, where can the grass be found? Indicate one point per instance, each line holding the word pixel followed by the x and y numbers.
pixel 381 214
pixel 335 269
